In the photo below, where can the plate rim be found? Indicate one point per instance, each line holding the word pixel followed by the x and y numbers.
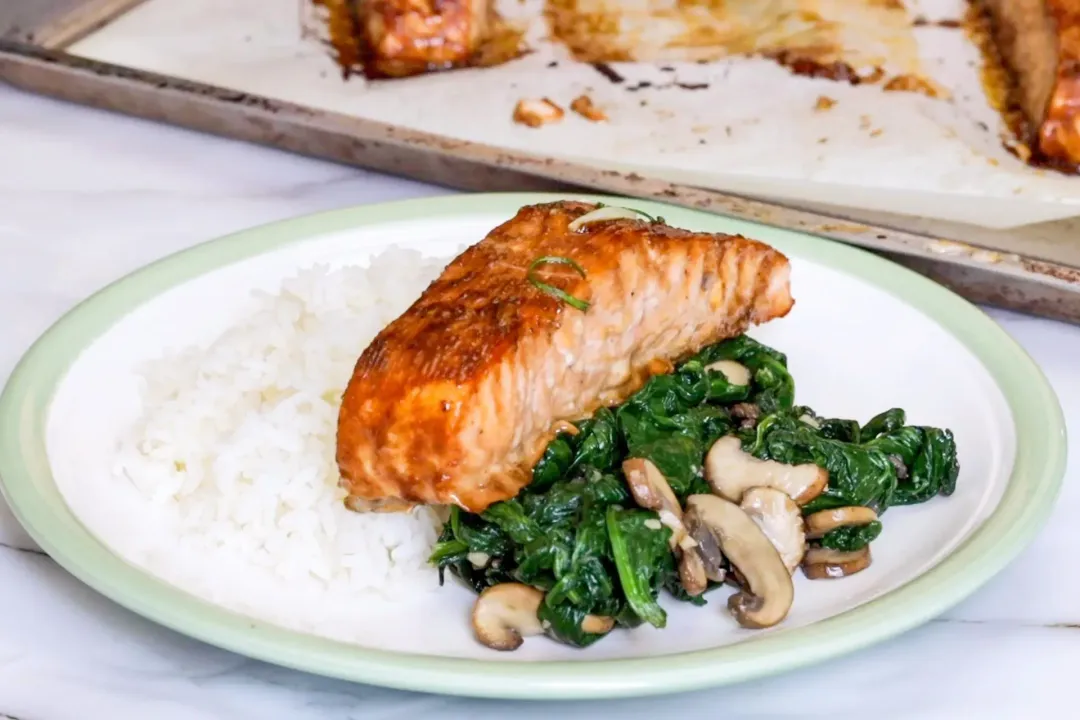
pixel 27 484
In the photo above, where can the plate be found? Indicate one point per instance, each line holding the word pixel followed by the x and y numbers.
pixel 865 335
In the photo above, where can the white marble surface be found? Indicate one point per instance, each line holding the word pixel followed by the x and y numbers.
pixel 86 197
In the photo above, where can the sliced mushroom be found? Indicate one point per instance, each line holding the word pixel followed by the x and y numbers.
pixel 597 624
pixel 825 521
pixel 731 472
pixel 651 491
pixel 706 548
pixel 692 573
pixel 769 593
pixel 504 614
pixel 780 519
pixel 736 373
pixel 824 563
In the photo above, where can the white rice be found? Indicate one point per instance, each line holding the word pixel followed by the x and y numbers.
pixel 235 449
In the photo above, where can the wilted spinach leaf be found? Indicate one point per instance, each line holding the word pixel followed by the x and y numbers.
pixel 773 388
pixel 858 475
pixel 553 463
pixel 563 623
pixel 597 442
pixel 839 429
pixel 886 422
pixel 929 460
pixel 851 538
pixel 642 559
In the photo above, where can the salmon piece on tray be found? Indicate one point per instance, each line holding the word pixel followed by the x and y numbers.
pixel 402 38
pixel 541 323
pixel 1039 41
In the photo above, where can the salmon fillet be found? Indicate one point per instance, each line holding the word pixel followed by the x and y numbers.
pixel 456 400
pixel 402 38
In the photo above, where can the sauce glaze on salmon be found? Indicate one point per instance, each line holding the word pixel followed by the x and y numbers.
pixel 456 400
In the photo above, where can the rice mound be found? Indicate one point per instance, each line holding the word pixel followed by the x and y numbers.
pixel 235 447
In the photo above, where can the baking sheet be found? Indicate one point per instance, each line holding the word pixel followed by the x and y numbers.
pixel 756 129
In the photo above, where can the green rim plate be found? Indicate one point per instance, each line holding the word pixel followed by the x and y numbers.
pixel 29 488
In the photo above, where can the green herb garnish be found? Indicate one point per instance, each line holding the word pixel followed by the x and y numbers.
pixel 555 292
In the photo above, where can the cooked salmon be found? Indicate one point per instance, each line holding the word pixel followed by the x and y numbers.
pixel 1039 42
pixel 456 400
pixel 401 38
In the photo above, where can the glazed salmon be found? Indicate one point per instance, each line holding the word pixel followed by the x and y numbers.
pixel 456 400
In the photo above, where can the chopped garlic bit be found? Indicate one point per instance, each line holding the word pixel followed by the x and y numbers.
pixel 653 524
pixel 478 559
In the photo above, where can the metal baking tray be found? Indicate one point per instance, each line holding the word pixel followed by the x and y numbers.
pixel 1033 269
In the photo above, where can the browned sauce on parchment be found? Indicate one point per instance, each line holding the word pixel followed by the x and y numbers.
pixel 858 42
pixel 797 34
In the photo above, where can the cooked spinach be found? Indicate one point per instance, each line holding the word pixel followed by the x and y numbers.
pixel 927 456
pixel 642 559
pixel 858 475
pixel 851 538
pixel 575 533
pixel 773 388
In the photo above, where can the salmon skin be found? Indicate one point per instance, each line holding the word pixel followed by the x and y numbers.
pixel 456 400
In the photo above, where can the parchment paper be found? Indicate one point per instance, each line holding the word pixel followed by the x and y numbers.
pixel 743 125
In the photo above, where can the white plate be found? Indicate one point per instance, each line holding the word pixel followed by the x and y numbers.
pixel 864 336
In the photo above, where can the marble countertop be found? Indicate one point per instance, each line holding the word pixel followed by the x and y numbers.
pixel 86 197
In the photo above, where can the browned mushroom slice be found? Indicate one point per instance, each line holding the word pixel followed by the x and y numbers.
pixel 769 592
pixel 707 548
pixel 824 521
pixel 692 573
pixel 505 614
pixel 731 472
pixel 824 563
pixel 651 491
pixel 597 624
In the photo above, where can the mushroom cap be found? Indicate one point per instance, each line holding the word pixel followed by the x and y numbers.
pixel 825 563
pixel 736 373
pixel 504 614
pixel 780 519
pixel 769 593
pixel 823 521
pixel 731 471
